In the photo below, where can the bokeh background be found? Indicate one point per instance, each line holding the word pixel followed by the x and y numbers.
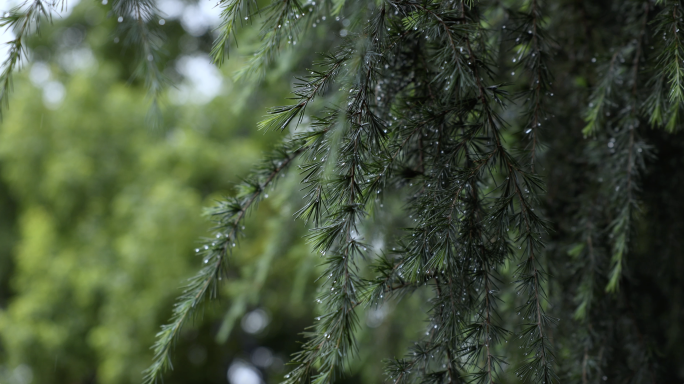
pixel 100 214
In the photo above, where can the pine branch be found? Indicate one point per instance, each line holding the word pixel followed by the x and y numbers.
pixel 434 360
pixel 139 21
pixel 433 239
pixel 388 281
pixel 229 215
pixel 590 258
pixel 625 155
pixel 307 89
pixel 283 18
pixel 332 342
pixel 619 158
pixel 447 29
pixel 599 101
pixel 669 69
pixel 22 20
pixel 231 15
pixel 314 170
pixel 534 58
pixel 627 188
pixel 531 227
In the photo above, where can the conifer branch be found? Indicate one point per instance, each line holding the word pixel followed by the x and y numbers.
pixel 444 316
pixel 231 15
pixel 443 336
pixel 591 260
pixel 635 162
pixel 619 159
pixel 333 342
pixel 625 155
pixel 22 21
pixel 599 101
pixel 229 215
pixel 669 69
pixel 314 170
pixel 531 276
pixel 139 21
pixel 534 59
pixel 283 18
pixel 306 91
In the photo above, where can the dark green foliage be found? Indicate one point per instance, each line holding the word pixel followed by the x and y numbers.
pixel 427 112
pixel 529 220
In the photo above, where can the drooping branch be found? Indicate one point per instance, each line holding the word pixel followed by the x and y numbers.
pixel 22 21
pixel 229 215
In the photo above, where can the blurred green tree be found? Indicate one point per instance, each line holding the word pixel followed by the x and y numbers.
pixel 101 214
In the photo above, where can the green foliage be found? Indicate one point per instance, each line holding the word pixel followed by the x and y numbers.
pixel 454 144
pixel 231 13
pixel 530 231
pixel 108 212
pixel 116 209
